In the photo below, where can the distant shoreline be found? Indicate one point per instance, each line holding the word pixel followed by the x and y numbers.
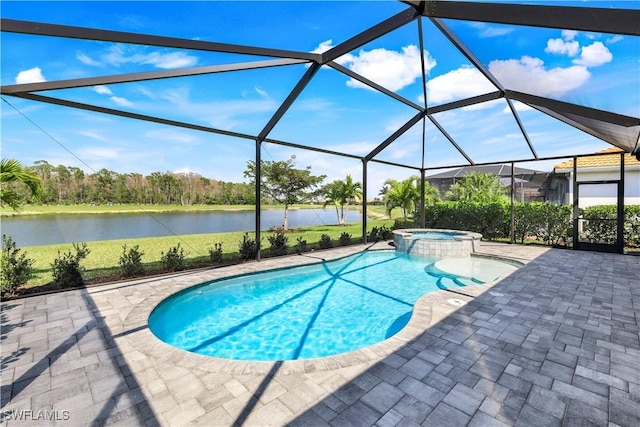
pixel 132 209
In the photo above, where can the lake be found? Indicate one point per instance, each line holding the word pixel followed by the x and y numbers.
pixel 52 229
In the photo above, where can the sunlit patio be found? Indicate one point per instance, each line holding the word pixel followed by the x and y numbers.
pixel 556 342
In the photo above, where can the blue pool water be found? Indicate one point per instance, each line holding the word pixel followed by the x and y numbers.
pixel 298 313
pixel 435 235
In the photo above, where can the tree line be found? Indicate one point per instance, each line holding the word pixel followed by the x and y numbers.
pixel 281 182
pixel 68 185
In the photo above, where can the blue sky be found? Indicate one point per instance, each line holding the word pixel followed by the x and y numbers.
pixel 333 112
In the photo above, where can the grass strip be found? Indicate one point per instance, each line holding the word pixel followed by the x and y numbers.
pixel 103 261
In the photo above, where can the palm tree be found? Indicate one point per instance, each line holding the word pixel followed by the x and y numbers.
pixel 332 193
pixel 401 194
pixel 12 171
pixel 350 191
pixel 431 194
pixel 477 187
pixel 340 194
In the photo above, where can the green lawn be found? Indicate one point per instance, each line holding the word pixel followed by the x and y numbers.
pixel 104 256
pixel 103 261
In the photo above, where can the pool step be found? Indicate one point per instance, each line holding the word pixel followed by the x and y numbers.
pixel 447 281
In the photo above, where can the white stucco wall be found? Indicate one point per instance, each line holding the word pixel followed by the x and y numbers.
pixel 606 194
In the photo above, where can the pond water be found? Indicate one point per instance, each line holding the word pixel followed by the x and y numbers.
pixel 53 229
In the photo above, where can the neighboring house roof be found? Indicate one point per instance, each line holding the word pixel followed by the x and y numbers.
pixel 500 170
pixel 607 160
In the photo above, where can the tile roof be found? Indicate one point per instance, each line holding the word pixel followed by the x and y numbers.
pixel 600 161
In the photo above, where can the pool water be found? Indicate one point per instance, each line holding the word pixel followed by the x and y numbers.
pixel 435 235
pixel 297 313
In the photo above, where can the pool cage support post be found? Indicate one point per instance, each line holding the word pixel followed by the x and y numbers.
pixel 512 231
pixel 576 209
pixel 258 182
pixel 620 210
pixel 364 201
pixel 422 204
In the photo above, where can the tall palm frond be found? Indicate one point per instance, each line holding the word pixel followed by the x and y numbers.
pixel 12 171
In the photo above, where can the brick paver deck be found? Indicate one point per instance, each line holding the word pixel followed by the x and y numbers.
pixel 555 343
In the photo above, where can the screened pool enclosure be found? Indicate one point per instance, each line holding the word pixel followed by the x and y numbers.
pixel 364 86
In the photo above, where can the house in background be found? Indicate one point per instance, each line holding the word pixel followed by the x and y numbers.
pixel 528 182
pixel 605 167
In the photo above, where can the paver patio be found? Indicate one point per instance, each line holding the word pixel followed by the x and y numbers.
pixel 555 343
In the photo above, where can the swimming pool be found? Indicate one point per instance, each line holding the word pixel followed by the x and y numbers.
pixel 297 313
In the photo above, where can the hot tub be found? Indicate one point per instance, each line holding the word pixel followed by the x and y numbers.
pixel 436 243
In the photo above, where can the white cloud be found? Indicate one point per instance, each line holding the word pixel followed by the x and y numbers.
pixel 569 35
pixel 323 47
pixel 223 114
pixel 502 139
pixel 391 69
pixel 594 55
pixel 562 47
pixel 123 102
pixel 457 84
pixel 519 106
pixel 327 45
pixel 357 148
pixel 316 105
pixel 32 75
pixel 488 31
pixel 85 59
pixel 93 135
pixel 94 153
pixel 118 55
pixel 102 90
pixel 529 75
pixel 184 171
pixel 614 39
pixel 168 60
pixel 261 92
pixel 173 135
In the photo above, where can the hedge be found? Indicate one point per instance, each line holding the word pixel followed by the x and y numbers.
pixel 605 231
pixel 545 222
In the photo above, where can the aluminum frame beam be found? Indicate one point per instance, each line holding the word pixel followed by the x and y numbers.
pixel 526 160
pixel 67 31
pixel 451 140
pixel 370 34
pixel 492 96
pixel 374 85
pixel 295 92
pixel 597 20
pixel 516 116
pixel 399 165
pixel 569 108
pixel 129 115
pixel 405 127
pixel 617 21
pixel 146 76
pixel 458 44
pixel 168 122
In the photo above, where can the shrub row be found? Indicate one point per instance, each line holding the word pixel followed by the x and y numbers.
pixel 16 268
pixel 595 230
pixel 546 222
